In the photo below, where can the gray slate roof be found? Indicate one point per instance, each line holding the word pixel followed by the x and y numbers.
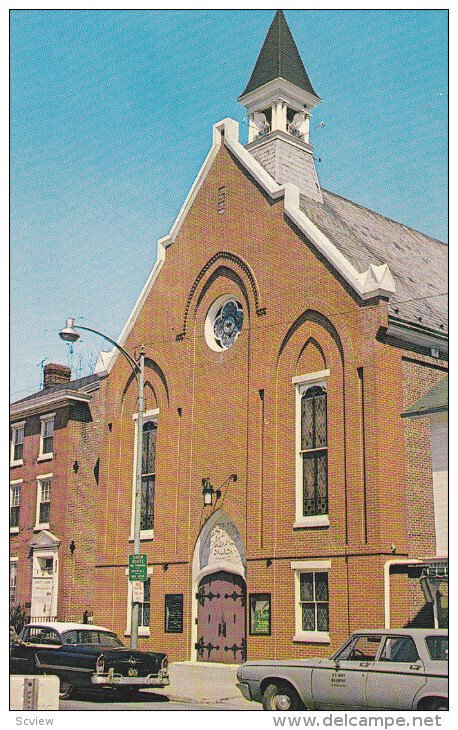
pixel 434 401
pixel 279 57
pixel 418 263
pixel 72 385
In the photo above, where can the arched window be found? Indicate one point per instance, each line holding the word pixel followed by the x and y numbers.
pixel 148 475
pixel 314 450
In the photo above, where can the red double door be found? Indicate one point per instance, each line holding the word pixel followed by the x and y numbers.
pixel 221 622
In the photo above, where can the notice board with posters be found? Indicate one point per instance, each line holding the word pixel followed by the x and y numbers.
pixel 173 619
pixel 260 614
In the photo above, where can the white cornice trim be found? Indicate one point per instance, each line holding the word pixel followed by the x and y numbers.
pixel 279 88
pixel 36 405
pixel 376 281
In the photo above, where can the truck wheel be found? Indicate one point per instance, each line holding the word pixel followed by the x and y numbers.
pixel 280 696
pixel 66 690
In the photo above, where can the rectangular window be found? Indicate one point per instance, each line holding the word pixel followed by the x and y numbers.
pixel 46 436
pixel 260 614
pixel 173 622
pixel 13 582
pixel 144 608
pixel 15 503
pixel 44 502
pixel 312 600
pixel 148 475
pixel 314 442
pixel 312 509
pixel 17 442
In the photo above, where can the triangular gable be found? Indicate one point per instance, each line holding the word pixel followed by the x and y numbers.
pixel 376 281
pixel 43 540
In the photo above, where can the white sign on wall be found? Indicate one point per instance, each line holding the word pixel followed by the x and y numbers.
pixel 137 591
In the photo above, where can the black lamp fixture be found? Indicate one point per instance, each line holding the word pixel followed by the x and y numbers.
pixel 208 490
pixel 72 547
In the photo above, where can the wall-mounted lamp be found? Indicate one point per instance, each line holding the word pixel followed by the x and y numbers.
pixel 165 567
pixel 208 490
pixel 72 547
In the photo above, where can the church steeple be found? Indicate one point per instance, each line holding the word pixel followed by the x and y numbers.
pixel 278 99
pixel 279 58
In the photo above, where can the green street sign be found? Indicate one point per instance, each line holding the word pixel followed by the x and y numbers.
pixel 138 567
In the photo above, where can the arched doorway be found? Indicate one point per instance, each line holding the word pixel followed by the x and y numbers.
pixel 219 592
pixel 221 633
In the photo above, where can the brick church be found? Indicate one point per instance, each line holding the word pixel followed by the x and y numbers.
pixel 286 330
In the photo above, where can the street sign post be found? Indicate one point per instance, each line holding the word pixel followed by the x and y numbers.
pixel 138 567
pixel 138 594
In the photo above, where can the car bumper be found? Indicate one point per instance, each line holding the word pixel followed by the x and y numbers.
pixel 107 680
pixel 244 688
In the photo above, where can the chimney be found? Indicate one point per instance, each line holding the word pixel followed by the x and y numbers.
pixel 54 374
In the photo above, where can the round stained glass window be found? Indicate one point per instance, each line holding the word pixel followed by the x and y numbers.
pixel 224 323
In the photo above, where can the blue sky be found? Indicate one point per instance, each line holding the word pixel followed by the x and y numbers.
pixel 111 118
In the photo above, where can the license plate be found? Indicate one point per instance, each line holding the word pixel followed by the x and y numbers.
pixel 132 672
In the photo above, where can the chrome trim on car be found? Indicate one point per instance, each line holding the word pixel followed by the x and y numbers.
pixel 61 667
pixel 149 681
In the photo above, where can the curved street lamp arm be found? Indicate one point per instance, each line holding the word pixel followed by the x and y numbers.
pixel 135 367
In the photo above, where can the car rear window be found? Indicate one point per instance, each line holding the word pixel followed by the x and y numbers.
pixel 91 636
pixel 437 647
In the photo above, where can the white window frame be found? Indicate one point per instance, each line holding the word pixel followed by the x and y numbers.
pixel 42 478
pixel 15 483
pixel 308 566
pixel 147 416
pixel 15 427
pixel 45 455
pixel 301 384
pixel 142 630
pixel 14 561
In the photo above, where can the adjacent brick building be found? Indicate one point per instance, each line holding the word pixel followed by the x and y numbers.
pixel 53 488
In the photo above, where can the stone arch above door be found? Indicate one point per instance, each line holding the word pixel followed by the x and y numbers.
pixel 219 547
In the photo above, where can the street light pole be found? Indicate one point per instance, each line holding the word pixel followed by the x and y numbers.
pixel 138 494
pixel 70 334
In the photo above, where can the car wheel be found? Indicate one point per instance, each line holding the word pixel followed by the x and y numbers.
pixel 280 696
pixel 439 704
pixel 66 690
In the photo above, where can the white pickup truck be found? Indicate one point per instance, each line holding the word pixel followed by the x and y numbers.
pixel 376 669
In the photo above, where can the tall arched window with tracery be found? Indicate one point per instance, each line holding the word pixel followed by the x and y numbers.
pixel 314 450
pixel 148 475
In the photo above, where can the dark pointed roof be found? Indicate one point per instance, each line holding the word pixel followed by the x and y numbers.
pixel 279 57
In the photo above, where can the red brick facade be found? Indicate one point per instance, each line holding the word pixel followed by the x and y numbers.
pixel 73 473
pixel 234 412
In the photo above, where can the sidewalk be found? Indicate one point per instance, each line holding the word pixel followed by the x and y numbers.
pixel 207 682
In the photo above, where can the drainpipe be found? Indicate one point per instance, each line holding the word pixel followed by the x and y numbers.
pixel 386 572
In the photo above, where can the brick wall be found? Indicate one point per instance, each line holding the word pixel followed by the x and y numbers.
pixel 213 422
pixel 72 509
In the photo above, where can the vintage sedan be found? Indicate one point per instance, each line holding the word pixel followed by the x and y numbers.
pixel 85 656
pixel 376 669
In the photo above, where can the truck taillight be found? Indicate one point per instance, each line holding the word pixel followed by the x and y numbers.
pixel 100 664
pixel 165 664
